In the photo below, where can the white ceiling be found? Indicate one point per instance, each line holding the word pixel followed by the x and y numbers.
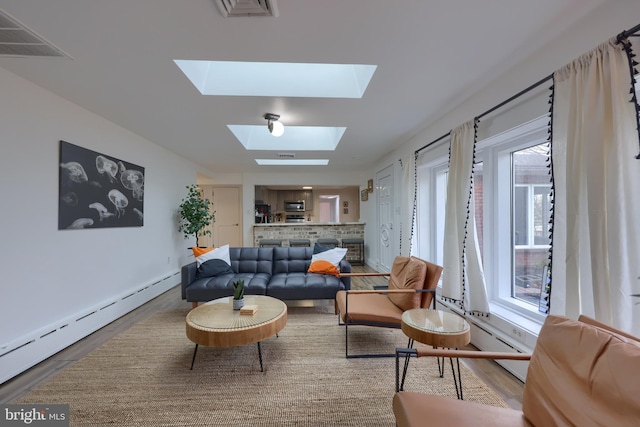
pixel 431 55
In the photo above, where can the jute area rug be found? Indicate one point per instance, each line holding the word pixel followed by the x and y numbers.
pixel 142 378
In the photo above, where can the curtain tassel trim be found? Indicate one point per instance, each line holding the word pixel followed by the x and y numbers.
pixel 626 45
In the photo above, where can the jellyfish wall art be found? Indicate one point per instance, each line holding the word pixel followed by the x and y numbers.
pixel 98 191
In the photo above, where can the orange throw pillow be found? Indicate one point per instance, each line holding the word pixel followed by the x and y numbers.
pixel 323 267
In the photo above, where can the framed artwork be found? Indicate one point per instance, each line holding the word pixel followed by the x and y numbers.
pixel 370 186
pixel 98 191
pixel 345 211
pixel 364 195
pixel 345 204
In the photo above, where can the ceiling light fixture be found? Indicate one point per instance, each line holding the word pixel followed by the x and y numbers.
pixel 275 127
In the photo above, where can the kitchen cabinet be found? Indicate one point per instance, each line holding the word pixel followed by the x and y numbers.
pixel 292 195
pixel 308 200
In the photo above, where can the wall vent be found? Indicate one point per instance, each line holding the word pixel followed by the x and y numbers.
pixel 247 8
pixel 16 40
pixel 286 155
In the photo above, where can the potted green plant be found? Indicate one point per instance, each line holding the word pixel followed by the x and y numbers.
pixel 238 294
pixel 195 215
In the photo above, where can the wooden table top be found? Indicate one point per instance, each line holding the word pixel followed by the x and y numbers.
pixel 436 327
pixel 217 324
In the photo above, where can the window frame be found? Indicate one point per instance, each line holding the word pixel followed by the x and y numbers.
pixel 495 153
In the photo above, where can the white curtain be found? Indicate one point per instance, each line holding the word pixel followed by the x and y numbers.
pixel 463 276
pixel 407 204
pixel 596 236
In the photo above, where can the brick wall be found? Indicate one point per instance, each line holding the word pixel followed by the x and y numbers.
pixel 312 232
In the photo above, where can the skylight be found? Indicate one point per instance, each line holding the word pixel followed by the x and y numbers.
pixel 292 162
pixel 295 138
pixel 281 79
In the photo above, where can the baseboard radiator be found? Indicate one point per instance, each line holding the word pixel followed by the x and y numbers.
pixel 486 337
pixel 23 353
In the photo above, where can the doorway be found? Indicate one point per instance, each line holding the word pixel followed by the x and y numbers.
pixel 329 209
pixel 386 231
pixel 226 203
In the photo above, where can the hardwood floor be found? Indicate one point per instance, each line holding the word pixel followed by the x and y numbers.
pixel 507 386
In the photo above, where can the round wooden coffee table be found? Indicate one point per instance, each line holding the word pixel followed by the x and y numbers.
pixel 217 324
pixel 439 329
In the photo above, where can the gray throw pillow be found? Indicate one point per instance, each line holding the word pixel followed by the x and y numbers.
pixel 317 248
pixel 212 268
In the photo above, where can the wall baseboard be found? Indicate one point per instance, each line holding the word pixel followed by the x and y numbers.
pixel 486 337
pixel 23 353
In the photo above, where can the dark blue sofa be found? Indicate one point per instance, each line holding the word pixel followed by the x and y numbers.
pixel 277 272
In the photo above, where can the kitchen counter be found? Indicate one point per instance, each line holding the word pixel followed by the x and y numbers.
pixel 306 223
pixel 313 231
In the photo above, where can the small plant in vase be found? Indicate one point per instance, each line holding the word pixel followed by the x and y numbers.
pixel 238 294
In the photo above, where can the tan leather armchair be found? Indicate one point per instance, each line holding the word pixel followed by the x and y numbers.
pixel 581 373
pixel 412 284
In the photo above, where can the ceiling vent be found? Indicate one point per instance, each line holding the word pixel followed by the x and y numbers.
pixel 16 40
pixel 286 155
pixel 247 8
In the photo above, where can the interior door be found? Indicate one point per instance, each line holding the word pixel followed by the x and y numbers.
pixel 227 229
pixel 386 229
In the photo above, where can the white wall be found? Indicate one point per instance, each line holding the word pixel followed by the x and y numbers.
pixel 50 278
pixel 603 23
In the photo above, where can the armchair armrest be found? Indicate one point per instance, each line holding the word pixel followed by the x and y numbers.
pixel 471 354
pixel 383 291
pixel 363 274
pixel 458 354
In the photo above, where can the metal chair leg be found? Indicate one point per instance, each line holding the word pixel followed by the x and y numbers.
pixel 195 350
pixel 457 383
pixel 260 356
pixel 406 364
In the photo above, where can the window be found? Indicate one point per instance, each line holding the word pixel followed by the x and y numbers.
pixel 531 207
pixel 430 213
pixel 513 207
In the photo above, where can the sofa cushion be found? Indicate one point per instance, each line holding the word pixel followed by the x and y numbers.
pixel 291 260
pixel 317 248
pixel 327 262
pixel 252 260
pixel 211 288
pixel 407 273
pixel 368 308
pixel 414 409
pixel 302 285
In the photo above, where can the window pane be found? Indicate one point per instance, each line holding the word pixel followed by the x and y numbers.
pixel 531 206
pixel 541 215
pixel 441 202
pixel 478 198
pixel 520 215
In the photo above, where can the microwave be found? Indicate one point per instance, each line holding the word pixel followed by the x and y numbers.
pixel 294 206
